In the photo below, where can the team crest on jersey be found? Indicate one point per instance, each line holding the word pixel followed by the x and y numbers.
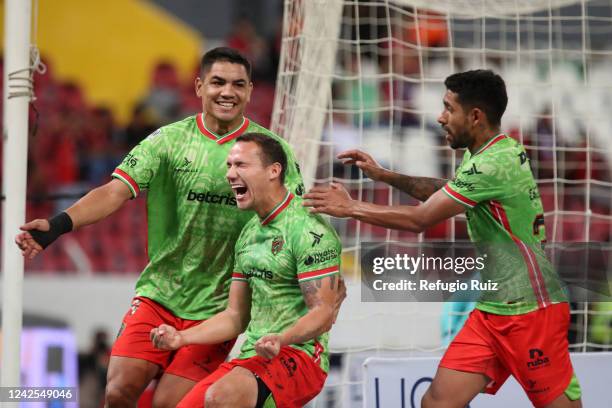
pixel 277 245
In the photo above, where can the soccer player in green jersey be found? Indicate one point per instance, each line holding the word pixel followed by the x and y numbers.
pixel 283 293
pixel 524 331
pixel 193 224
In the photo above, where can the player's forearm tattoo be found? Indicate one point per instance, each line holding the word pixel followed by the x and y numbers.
pixel 420 188
pixel 310 293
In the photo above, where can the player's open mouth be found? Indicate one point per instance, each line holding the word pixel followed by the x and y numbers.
pixel 240 191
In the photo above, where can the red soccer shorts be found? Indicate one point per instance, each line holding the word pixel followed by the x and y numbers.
pixel 533 347
pixel 193 362
pixel 293 377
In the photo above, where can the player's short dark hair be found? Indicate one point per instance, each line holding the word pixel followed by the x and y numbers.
pixel 482 89
pixel 271 150
pixel 224 54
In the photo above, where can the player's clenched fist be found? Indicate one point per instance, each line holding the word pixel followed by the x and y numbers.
pixel 268 346
pixel 166 337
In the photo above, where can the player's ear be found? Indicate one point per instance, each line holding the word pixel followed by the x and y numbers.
pixel 274 170
pixel 477 116
pixel 198 86
pixel 249 91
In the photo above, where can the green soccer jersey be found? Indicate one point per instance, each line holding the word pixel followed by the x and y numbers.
pixel 274 256
pixel 506 221
pixel 193 220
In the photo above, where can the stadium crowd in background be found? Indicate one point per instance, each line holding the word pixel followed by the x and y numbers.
pixel 75 144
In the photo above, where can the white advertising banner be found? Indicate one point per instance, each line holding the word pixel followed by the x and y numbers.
pixel 401 383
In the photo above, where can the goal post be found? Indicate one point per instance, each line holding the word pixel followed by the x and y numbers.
pixel 309 43
pixel 17 80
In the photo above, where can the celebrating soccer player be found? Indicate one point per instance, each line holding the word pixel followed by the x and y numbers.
pixel 522 332
pixel 193 224
pixel 284 292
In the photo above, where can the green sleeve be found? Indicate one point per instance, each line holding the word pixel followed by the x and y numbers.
pixel 475 181
pixel 141 164
pixel 238 270
pixel 317 249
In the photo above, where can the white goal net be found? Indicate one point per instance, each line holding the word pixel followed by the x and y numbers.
pixel 369 74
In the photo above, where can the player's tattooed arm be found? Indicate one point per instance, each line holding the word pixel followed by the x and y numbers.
pixel 420 188
pixel 320 296
pixel 323 298
pixel 340 289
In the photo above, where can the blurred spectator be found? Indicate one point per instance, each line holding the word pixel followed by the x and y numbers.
pixel 543 140
pixel 100 157
pixel 190 103
pixel 92 371
pixel 244 38
pixel 400 91
pixel 577 162
pixel 164 97
pixel 428 29
pixel 141 125
pixel 261 112
pixel 362 94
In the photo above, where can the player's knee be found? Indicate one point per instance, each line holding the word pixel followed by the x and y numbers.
pixel 117 396
pixel 220 396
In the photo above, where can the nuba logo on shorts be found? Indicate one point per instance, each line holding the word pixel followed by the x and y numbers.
pixel 538 359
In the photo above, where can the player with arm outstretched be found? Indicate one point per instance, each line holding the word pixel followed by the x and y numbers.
pixel 522 330
pixel 420 188
pixel 284 293
pixel 193 224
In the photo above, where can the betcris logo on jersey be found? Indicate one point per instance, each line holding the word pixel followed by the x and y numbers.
pixel 259 273
pixel 211 197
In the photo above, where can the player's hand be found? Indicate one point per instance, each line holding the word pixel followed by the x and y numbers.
pixel 333 200
pixel 340 296
pixel 268 346
pixel 364 161
pixel 29 247
pixel 166 337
